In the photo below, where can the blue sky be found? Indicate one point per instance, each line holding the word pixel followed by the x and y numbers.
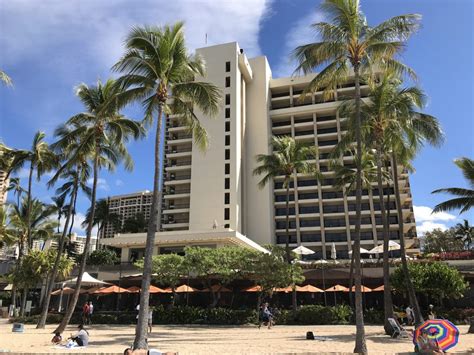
pixel 48 47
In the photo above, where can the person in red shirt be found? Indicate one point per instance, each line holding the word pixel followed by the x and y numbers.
pixel 85 313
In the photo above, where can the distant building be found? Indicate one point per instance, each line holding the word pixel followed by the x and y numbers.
pixel 127 206
pixel 78 244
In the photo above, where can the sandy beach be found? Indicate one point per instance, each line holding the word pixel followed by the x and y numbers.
pixel 218 340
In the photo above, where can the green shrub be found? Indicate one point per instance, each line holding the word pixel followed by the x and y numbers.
pixel 374 316
pixel 317 314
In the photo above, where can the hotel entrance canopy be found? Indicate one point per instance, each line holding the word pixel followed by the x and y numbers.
pixel 215 237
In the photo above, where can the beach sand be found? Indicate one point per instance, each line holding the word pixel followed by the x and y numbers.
pixel 200 339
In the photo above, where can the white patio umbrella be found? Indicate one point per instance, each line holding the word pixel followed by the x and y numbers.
pixel 379 249
pixel 362 251
pixel 301 250
pixel 87 280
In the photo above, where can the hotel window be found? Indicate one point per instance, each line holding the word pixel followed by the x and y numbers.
pixel 227 225
pixel 227 140
pixel 227 67
pixel 227 99
pixel 227 183
pixel 227 169
pixel 227 126
pixel 227 81
pixel 226 198
pixel 227 113
pixel 226 214
pixel 227 154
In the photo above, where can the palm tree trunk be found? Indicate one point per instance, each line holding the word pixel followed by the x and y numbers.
pixel 387 292
pixel 141 330
pixel 54 272
pixel 287 244
pixel 406 272
pixel 28 208
pixel 23 301
pixel 360 344
pixel 73 214
pixel 82 267
pixel 351 280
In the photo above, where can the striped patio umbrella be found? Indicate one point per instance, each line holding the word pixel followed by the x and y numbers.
pixel 442 330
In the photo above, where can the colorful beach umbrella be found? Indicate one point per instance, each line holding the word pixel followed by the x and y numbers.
pixel 442 330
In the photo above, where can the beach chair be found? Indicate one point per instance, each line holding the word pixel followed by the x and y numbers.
pixel 398 330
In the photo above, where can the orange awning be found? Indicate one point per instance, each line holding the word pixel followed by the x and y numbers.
pixel 378 289
pixel 364 289
pixel 109 290
pixel 308 288
pixel 66 291
pixel 283 289
pixel 134 289
pixel 185 288
pixel 337 288
pixel 217 288
pixel 154 289
pixel 91 289
pixel 252 289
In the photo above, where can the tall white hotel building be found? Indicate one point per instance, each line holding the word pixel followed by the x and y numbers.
pixel 211 198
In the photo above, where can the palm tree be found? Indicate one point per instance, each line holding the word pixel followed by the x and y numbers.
pixel 11 161
pixel 465 232
pixel 60 207
pixel 102 133
pixel 347 42
pixel 41 159
pixel 156 67
pixel 35 218
pixel 465 196
pixel 5 78
pixel 16 187
pixel 75 178
pixel 102 217
pixel 289 157
pixel 7 234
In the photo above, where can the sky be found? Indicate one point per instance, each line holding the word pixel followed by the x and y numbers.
pixel 48 47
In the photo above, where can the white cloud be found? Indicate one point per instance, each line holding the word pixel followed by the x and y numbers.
pixel 299 34
pixel 77 228
pixel 430 221
pixel 99 27
pixel 102 184
pixel 119 182
pixel 423 213
pixel 428 226
pixel 23 173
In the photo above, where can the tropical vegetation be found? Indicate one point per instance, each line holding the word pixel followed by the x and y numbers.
pixel 156 66
pixel 464 199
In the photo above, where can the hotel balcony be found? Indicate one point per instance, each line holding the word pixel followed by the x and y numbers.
pixel 177 165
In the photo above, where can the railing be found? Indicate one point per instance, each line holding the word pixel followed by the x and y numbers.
pixel 180 177
pixel 179 163
pixel 177 206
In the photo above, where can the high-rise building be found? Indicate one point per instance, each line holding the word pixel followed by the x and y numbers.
pixel 127 206
pixel 3 187
pixel 216 190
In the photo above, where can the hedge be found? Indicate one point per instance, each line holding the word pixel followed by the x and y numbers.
pixel 216 316
pixel 305 315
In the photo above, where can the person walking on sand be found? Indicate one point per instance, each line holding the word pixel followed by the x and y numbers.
pixel 85 313
pixel 410 315
pixel 150 320
pixel 91 310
